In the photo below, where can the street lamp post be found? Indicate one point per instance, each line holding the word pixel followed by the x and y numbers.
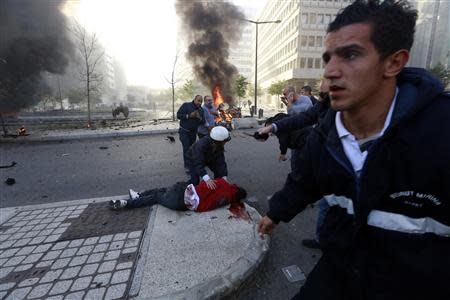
pixel 256 56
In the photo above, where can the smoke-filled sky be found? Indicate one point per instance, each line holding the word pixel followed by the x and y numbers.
pixel 142 34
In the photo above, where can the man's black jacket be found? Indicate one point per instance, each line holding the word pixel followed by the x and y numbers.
pixel 389 227
pixel 206 153
pixel 187 123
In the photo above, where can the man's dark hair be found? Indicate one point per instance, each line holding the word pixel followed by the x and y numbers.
pixel 307 89
pixel 393 23
pixel 241 193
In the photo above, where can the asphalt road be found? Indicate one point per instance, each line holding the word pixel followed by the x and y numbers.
pixel 71 170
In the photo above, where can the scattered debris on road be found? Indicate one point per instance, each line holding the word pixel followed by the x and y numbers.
pixel 12 164
pixel 171 139
pixel 10 181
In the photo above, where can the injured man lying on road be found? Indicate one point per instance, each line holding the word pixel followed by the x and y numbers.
pixel 183 196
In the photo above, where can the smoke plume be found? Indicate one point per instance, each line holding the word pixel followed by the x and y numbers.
pixel 33 40
pixel 210 27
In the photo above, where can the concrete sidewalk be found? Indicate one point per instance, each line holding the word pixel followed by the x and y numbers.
pixel 83 250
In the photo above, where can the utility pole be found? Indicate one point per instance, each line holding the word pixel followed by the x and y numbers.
pixel 433 33
pixel 256 56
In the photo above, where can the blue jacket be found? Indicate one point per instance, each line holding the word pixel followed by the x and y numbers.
pixel 186 123
pixel 389 228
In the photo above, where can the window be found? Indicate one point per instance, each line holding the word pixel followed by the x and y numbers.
pixel 302 62
pixel 312 19
pixel 304 18
pixel 327 19
pixel 319 41
pixel 311 41
pixel 320 19
pixel 317 63
pixel 304 40
pixel 310 62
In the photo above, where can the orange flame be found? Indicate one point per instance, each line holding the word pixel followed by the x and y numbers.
pixel 218 99
pixel 223 115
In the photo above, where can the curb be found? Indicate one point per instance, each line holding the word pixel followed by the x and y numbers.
pixel 86 136
pixel 232 278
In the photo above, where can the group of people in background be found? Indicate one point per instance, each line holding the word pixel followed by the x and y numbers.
pixel 374 149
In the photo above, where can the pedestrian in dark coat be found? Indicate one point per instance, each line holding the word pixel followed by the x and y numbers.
pixel 381 158
pixel 190 115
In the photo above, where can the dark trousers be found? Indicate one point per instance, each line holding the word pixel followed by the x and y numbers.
pixel 325 283
pixel 172 198
pixel 187 138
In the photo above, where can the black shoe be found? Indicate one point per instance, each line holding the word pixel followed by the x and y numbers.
pixel 313 244
pixel 117 204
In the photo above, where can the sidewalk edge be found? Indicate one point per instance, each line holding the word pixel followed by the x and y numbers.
pixel 232 278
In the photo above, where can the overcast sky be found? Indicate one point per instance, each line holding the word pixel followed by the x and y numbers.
pixel 142 34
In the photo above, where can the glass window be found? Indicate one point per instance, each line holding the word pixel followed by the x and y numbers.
pixel 327 19
pixel 302 62
pixel 319 41
pixel 320 19
pixel 312 19
pixel 304 18
pixel 311 41
pixel 317 63
pixel 310 62
pixel 304 40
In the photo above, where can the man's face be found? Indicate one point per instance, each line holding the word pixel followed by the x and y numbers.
pixel 208 101
pixel 354 69
pixel 198 101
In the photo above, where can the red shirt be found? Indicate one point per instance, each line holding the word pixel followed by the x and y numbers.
pixel 223 194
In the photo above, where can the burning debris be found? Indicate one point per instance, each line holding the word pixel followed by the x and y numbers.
pixel 210 28
pixel 34 41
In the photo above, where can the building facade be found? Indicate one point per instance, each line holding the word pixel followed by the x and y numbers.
pixel 292 50
pixel 432 37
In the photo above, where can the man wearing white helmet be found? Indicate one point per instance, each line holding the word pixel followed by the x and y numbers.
pixel 209 152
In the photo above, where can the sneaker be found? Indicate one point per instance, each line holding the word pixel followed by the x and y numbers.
pixel 313 244
pixel 133 194
pixel 117 204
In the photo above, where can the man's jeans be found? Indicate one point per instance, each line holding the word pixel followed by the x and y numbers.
pixel 172 198
pixel 187 138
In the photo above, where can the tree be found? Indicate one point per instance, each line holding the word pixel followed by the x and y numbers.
pixel 172 82
pixel 90 51
pixel 240 87
pixel 251 91
pixel 75 96
pixel 187 90
pixel 442 73
pixel 276 88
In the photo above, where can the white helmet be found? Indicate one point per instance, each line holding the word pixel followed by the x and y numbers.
pixel 220 134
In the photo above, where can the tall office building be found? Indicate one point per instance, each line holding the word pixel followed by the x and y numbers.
pixel 432 38
pixel 292 50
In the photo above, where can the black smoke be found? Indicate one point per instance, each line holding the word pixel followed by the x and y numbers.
pixel 210 27
pixel 33 40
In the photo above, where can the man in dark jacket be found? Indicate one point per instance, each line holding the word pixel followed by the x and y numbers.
pixel 190 115
pixel 381 158
pixel 307 91
pixel 209 152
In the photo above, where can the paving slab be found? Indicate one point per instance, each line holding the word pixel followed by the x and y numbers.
pixel 82 250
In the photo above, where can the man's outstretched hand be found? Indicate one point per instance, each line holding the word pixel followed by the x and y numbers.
pixel 265 226
pixel 265 130
pixel 211 184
